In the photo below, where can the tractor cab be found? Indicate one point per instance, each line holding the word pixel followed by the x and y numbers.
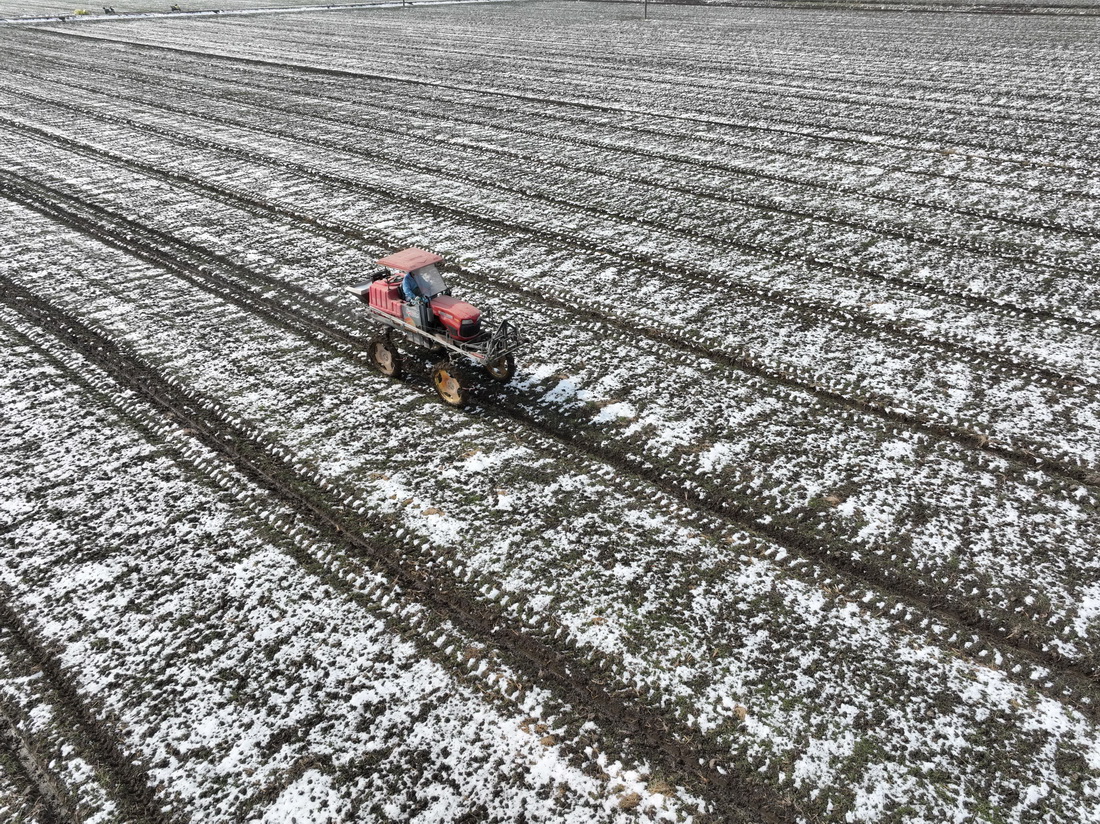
pixel 428 281
pixel 420 267
pixel 436 311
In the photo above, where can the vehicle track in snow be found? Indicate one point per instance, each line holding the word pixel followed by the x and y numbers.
pixel 1027 454
pixel 828 562
pixel 585 107
pixel 1009 363
pixel 786 61
pixel 496 119
pixel 125 779
pixel 592 93
pixel 793 77
pixel 23 765
pixel 554 133
pixel 705 235
pixel 1006 365
pixel 985 249
pixel 323 553
pixel 90 185
pixel 988 143
pixel 531 645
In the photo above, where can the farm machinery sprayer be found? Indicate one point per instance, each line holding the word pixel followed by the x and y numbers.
pixel 409 297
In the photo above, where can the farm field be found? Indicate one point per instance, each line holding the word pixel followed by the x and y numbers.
pixel 27 10
pixel 791 513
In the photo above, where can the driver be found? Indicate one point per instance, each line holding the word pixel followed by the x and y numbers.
pixel 409 288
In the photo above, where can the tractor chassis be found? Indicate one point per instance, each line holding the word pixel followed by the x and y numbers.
pixel 485 348
pixel 493 350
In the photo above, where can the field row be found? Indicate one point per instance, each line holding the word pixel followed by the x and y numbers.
pixel 862 117
pixel 793 498
pixel 784 113
pixel 883 384
pixel 151 327
pixel 665 430
pixel 872 154
pixel 256 641
pixel 797 219
pixel 854 235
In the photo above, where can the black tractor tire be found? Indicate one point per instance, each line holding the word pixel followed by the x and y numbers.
pixel 385 357
pixel 502 369
pixel 448 385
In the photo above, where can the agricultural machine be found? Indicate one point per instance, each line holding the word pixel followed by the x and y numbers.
pixel 409 297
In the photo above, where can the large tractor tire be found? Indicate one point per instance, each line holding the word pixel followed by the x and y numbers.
pixel 502 369
pixel 384 355
pixel 448 385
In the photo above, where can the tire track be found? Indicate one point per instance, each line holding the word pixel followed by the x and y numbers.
pixel 957 346
pixel 497 119
pixel 990 305
pixel 323 553
pixel 982 135
pixel 126 779
pixel 1025 454
pixel 831 561
pixel 521 635
pixel 767 123
pixel 531 97
pixel 29 770
pixel 679 71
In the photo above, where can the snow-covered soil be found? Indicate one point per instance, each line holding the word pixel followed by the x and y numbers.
pixel 75 13
pixel 789 515
pixel 22 11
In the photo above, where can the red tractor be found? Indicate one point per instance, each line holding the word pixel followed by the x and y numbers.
pixel 408 295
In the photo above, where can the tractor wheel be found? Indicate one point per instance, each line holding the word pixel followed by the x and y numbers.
pixel 385 356
pixel 446 382
pixel 502 369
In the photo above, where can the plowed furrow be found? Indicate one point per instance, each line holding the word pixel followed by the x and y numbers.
pixel 324 554
pixel 44 793
pixel 592 90
pixel 828 108
pixel 797 70
pixel 1025 454
pixel 526 97
pixel 996 362
pixel 422 97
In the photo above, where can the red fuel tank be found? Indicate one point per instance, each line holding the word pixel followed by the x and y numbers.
pixel 386 296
